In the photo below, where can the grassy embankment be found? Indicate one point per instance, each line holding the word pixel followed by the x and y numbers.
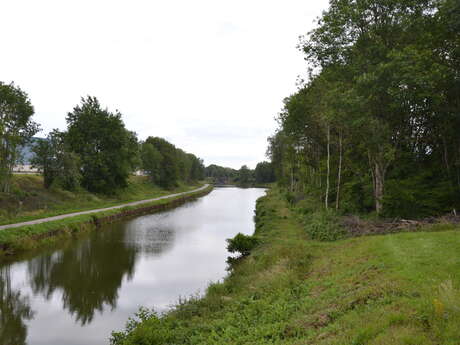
pixel 388 289
pixel 58 202
pixel 29 200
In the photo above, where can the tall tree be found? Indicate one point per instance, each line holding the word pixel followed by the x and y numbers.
pixel 264 173
pixel 244 176
pixel 151 161
pixel 16 128
pixel 108 151
pixel 169 172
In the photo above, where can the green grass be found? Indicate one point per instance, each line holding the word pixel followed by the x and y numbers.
pixel 393 289
pixel 20 239
pixel 29 200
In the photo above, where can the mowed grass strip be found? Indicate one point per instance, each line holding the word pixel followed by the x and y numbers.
pixel 29 200
pixel 393 289
pixel 20 239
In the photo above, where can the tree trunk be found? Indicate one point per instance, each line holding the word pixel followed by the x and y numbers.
pixel 339 175
pixel 326 199
pixel 379 177
pixel 446 158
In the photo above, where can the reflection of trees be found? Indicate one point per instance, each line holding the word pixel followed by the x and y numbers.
pixel 14 309
pixel 89 274
pixel 150 239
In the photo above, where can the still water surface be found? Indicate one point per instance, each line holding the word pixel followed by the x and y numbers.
pixel 79 294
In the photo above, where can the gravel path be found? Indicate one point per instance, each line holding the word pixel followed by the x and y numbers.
pixel 62 216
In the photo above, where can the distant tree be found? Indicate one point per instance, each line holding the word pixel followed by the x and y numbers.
pixel 184 163
pixel 151 161
pixel 169 173
pixel 244 176
pixel 264 173
pixel 16 129
pixel 219 174
pixel 108 152
pixel 58 164
pixel 197 169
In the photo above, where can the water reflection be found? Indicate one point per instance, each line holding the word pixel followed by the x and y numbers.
pixel 91 287
pixel 150 239
pixel 88 275
pixel 14 311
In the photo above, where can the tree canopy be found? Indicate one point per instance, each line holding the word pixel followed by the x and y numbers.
pixel 108 151
pixel 16 128
pixel 376 125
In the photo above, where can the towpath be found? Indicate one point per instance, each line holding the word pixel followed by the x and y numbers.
pixel 68 215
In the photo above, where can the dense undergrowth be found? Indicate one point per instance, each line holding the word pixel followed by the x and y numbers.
pixel 393 289
pixel 30 200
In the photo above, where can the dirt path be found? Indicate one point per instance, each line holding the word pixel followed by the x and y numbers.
pixel 68 215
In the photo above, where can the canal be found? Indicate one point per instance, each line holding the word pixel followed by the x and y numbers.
pixel 80 292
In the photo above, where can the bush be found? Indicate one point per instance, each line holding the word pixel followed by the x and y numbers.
pixel 322 225
pixel 242 244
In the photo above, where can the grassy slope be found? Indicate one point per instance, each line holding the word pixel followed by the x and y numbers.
pixel 393 289
pixel 25 238
pixel 30 200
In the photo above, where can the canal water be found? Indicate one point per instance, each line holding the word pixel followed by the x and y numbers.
pixel 79 293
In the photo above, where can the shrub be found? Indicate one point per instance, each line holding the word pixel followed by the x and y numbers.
pixel 322 225
pixel 242 244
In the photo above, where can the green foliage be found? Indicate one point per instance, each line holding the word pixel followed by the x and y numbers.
pixel 245 176
pixel 242 244
pixel 16 128
pixel 59 166
pixel 151 161
pixel 221 175
pixel 107 150
pixel 419 196
pixel 167 165
pixel 322 225
pixel 377 125
pixel 264 173
pixel 368 290
pixel 168 175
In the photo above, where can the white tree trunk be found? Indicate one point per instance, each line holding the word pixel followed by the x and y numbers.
pixel 339 177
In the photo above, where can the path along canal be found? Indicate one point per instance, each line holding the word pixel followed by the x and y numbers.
pixel 80 292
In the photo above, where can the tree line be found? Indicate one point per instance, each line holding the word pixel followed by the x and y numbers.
pixel 376 125
pixel 262 174
pixel 95 152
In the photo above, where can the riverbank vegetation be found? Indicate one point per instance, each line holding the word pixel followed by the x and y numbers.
pixel 375 127
pixel 371 134
pixel 96 153
pixel 294 290
pixel 24 238
pixel 262 175
pixel 29 199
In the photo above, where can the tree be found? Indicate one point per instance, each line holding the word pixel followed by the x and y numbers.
pixel 151 161
pixel 244 176
pixel 108 152
pixel 16 128
pixel 169 173
pixel 219 174
pixel 377 119
pixel 197 169
pixel 59 166
pixel 264 173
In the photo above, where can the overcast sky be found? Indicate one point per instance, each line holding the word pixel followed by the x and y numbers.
pixel 209 76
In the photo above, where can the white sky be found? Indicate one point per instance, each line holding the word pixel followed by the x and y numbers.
pixel 209 76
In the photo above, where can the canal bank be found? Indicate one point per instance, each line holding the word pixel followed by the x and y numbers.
pixel 293 290
pixel 16 238
pixel 79 291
